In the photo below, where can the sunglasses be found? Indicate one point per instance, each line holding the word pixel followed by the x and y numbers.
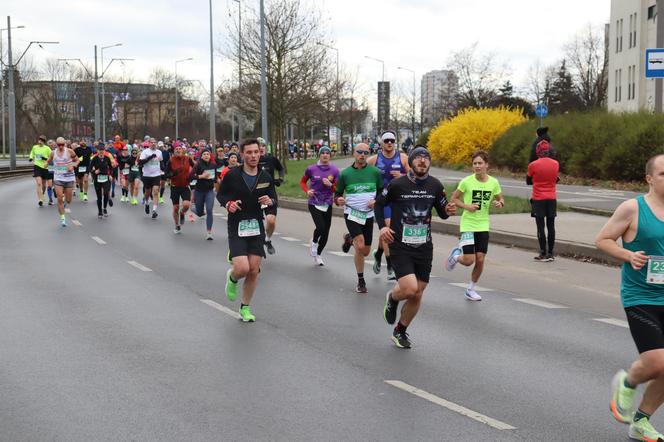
pixel 389 141
pixel 61 144
pixel 362 152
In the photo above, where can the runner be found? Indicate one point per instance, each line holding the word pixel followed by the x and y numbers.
pixel 391 164
pixel 178 170
pixel 543 176
pixel 101 167
pixel 244 190
pixel 409 237
pixel 474 195
pixel 361 182
pixel 125 160
pixel 84 153
pixel 39 155
pixel 205 174
pixel 639 223
pixel 65 163
pixel 166 156
pixel 151 159
pixel 323 177
pixel 270 163
pixel 134 176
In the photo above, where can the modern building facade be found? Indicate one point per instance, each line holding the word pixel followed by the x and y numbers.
pixel 439 90
pixel 632 30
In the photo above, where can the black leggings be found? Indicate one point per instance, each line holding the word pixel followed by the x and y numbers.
pixel 323 222
pixel 541 235
pixel 105 188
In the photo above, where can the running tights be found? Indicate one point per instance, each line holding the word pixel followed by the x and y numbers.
pixel 541 235
pixel 205 199
pixel 323 222
pixel 102 190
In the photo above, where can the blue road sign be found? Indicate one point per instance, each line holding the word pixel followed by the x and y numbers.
pixel 541 110
pixel 654 63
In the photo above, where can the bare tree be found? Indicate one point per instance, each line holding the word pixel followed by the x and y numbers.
pixel 539 79
pixel 589 65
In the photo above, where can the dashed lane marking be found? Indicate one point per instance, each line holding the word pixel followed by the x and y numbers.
pixel 613 321
pixel 221 308
pixel 76 222
pixel 67 210
pixel 290 239
pixel 340 254
pixel 139 266
pixel 539 303
pixel 463 285
pixel 498 425
pixel 98 240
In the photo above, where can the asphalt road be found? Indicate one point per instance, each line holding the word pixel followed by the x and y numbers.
pixel 96 348
pixel 587 197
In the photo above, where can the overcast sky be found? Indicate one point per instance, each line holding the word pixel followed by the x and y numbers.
pixel 416 34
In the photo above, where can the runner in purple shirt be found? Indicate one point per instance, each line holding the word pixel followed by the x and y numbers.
pixel 323 178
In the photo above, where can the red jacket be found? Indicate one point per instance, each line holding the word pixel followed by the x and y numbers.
pixel 181 167
pixel 544 173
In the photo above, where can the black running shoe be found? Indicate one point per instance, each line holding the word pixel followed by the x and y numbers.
pixel 348 241
pixel 147 209
pixel 41 203
pixel 110 201
pixel 105 213
pixel 181 218
pixel 270 247
pixel 154 214
pixel 540 258
pixel 390 310
pixel 400 339
pixel 361 286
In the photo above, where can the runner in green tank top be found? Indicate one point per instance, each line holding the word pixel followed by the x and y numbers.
pixel 639 223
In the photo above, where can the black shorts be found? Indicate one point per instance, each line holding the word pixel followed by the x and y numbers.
pixel 133 176
pixel 114 173
pixel 481 244
pixel 41 173
pixel 646 323
pixel 543 208
pixel 356 229
pixel 151 181
pixel 409 263
pixel 251 245
pixel 180 192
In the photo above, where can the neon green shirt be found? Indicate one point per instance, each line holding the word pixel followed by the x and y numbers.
pixel 477 192
pixel 39 154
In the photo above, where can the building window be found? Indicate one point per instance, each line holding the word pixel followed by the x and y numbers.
pixel 633 81
pixel 619 85
pixel 652 12
pixel 621 34
pixel 615 92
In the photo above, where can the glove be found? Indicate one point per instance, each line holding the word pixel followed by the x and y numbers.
pixel 278 182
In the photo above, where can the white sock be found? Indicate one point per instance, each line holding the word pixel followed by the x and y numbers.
pixel 154 207
pixel 268 237
pixel 471 286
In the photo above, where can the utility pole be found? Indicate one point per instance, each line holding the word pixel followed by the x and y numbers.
pixel 659 90
pixel 213 116
pixel 97 121
pixel 2 93
pixel 103 94
pixel 263 76
pixel 239 64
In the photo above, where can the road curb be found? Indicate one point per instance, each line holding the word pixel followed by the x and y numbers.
pixel 583 252
pixel 589 211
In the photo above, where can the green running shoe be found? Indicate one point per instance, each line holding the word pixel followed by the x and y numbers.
pixel 245 314
pixel 161 200
pixel 622 398
pixel 231 287
pixel 643 430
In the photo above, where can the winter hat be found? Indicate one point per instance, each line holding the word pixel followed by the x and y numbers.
pixel 417 152
pixel 541 131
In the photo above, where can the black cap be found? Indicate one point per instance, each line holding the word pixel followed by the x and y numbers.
pixel 416 152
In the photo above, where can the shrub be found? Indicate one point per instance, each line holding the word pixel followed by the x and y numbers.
pixel 598 145
pixel 454 141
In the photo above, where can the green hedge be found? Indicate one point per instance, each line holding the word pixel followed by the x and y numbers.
pixel 598 145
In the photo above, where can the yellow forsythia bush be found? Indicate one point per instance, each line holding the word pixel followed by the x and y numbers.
pixel 453 141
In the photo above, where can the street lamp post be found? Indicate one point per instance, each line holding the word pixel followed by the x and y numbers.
pixel 177 113
pixel 11 95
pixel 213 117
pixel 338 106
pixel 380 61
pixel 2 93
pixel 103 95
pixel 239 63
pixel 414 95
pixel 263 75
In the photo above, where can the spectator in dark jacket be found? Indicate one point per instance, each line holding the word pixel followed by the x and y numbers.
pixel 542 135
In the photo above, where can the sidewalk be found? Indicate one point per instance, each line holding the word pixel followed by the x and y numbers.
pixel 575 232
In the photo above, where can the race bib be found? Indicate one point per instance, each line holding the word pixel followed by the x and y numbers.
pixel 358 216
pixel 193 182
pixel 61 168
pixel 467 239
pixel 125 171
pixel 655 270
pixel 219 169
pixel 322 207
pixel 102 178
pixel 248 227
pixel 82 169
pixel 51 168
pixel 412 234
pixel 134 168
pixel 154 162
pixel 38 157
pixel 212 173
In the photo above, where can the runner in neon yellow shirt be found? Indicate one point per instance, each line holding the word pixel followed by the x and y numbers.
pixel 475 194
pixel 38 155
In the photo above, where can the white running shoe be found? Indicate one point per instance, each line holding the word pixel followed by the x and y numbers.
pixel 472 295
pixel 452 259
pixel 319 260
pixel 313 249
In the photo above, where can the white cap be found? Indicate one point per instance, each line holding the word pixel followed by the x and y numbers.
pixel 388 136
pixel 160 144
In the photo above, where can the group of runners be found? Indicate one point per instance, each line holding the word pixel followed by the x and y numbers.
pixel 396 190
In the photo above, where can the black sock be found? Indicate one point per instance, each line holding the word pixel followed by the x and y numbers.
pixel 388 261
pixel 379 253
pixel 400 327
pixel 244 305
pixel 628 385
pixel 360 275
pixel 640 415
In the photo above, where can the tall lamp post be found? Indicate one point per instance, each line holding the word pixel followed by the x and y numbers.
pixel 239 62
pixel 103 95
pixel 177 113
pixel 2 94
pixel 213 116
pixel 338 106
pixel 414 95
pixel 11 95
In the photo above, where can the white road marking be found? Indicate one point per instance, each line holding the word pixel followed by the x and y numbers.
pixel 498 425
pixel 76 222
pixel 218 214
pixel 277 233
pixel 538 303
pixel 340 254
pixel 67 210
pixel 305 245
pixel 463 285
pixel 290 239
pixel 579 200
pixel 613 321
pixel 221 308
pixel 139 266
pixel 98 240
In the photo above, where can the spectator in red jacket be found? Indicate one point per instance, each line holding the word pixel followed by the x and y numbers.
pixel 543 176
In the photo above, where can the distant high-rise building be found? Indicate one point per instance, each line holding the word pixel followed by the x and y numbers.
pixel 439 91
